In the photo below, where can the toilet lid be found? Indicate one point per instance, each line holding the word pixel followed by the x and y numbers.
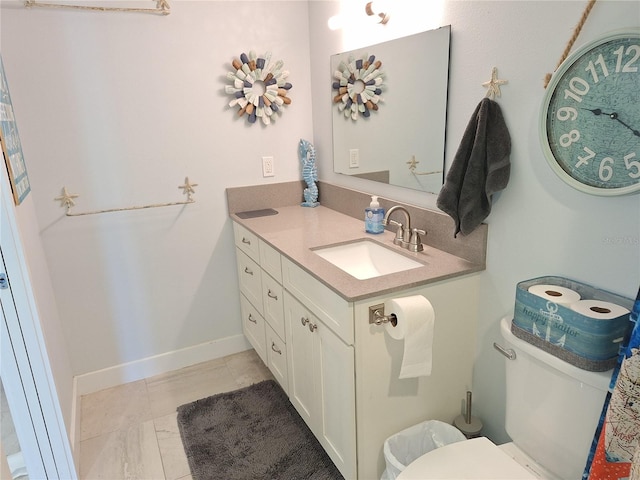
pixel 477 458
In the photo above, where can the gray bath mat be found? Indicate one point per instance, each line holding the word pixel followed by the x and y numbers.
pixel 249 434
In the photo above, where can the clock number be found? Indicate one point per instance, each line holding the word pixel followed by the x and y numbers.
pixel 568 138
pixel 591 68
pixel 585 160
pixel 632 164
pixel 628 67
pixel 606 170
pixel 567 113
pixel 577 89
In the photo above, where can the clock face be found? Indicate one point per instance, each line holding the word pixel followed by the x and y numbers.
pixel 590 120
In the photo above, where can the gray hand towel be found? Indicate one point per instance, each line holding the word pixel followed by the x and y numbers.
pixel 480 168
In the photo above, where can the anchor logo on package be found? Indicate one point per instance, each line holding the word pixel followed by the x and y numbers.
pixel 550 319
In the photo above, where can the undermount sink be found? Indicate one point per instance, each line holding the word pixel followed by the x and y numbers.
pixel 365 259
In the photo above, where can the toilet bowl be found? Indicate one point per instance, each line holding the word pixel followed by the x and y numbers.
pixel 478 458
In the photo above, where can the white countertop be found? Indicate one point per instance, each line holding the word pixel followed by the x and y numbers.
pixel 296 230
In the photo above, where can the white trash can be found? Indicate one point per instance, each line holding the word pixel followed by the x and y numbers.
pixel 404 447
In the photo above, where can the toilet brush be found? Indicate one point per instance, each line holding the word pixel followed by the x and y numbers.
pixel 469 425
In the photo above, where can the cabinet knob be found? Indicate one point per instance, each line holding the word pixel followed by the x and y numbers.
pixel 270 294
pixel 251 319
pixel 304 321
pixel 275 349
pixel 312 327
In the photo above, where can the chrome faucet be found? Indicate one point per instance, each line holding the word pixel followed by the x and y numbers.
pixel 405 236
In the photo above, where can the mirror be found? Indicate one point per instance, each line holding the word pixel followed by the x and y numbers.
pixel 402 142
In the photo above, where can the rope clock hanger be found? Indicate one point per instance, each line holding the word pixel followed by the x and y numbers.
pixel 67 200
pixel 572 40
pixel 162 7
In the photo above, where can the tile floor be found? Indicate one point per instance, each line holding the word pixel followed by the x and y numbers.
pixel 130 431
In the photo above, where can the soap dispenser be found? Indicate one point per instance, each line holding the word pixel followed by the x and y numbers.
pixel 373 217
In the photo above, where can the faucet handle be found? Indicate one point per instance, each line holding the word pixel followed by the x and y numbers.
pixel 399 240
pixel 415 244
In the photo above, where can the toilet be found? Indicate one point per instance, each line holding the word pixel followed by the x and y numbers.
pixel 552 411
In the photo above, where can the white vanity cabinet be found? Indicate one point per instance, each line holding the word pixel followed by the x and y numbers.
pixel 342 371
pixel 262 301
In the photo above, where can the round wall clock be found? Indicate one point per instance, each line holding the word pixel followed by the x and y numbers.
pixel 590 117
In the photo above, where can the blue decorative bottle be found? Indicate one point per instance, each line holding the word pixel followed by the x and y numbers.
pixel 373 216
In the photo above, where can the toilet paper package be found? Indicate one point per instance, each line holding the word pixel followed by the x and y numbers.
pixel 576 322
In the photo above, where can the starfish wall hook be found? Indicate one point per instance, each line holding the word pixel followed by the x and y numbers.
pixel 188 189
pixel 66 199
pixel 493 85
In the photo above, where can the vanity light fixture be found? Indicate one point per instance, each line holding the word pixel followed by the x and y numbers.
pixel 369 9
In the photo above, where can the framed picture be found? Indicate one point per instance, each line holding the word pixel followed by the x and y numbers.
pixel 11 146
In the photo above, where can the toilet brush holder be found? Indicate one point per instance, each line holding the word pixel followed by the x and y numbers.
pixel 469 425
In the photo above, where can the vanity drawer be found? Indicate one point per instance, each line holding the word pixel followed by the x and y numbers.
pixel 333 310
pixel 246 241
pixel 250 278
pixel 272 303
pixel 253 326
pixel 270 260
pixel 276 350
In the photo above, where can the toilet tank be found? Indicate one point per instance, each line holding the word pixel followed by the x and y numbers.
pixel 553 407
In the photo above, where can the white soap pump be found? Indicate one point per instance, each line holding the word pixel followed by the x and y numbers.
pixel 373 216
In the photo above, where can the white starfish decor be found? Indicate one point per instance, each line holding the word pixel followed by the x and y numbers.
pixel 493 85
pixel 188 189
pixel 66 199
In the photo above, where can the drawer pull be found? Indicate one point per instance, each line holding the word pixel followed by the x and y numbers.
pixel 247 270
pixel 251 319
pixel 244 240
pixel 304 321
pixel 275 349
pixel 312 327
pixel 271 295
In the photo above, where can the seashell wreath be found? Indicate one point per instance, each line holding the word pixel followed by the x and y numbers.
pixel 359 86
pixel 259 87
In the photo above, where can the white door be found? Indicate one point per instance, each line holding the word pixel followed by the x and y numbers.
pixel 335 387
pixel 300 355
pixel 24 366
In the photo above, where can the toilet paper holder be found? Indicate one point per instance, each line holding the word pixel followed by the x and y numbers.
pixel 377 316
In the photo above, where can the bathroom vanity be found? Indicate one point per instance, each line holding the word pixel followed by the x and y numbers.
pixel 309 321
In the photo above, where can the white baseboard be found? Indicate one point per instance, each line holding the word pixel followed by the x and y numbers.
pixel 148 367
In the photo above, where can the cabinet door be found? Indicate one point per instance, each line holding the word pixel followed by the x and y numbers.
pixel 335 390
pixel 300 356
pixel 322 383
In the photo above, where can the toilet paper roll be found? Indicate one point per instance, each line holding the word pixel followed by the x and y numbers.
pixel 598 309
pixel 415 325
pixel 555 293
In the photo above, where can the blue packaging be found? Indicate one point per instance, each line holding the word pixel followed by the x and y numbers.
pixel 588 343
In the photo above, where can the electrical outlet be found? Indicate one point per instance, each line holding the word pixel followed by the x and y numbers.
pixel 354 158
pixel 267 167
